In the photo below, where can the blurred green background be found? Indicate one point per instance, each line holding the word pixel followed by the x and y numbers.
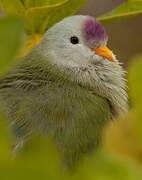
pixel 121 154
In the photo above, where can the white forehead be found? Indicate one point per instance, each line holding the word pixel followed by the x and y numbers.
pixel 73 21
pixel 71 25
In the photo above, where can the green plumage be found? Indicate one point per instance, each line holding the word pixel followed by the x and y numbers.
pixel 39 99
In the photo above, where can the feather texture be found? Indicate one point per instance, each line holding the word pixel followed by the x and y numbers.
pixel 36 101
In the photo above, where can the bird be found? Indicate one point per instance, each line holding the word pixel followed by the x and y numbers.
pixel 67 87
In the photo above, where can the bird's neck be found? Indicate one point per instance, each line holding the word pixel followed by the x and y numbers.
pixel 114 90
pixel 92 78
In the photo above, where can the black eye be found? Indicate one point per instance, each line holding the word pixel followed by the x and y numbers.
pixel 74 40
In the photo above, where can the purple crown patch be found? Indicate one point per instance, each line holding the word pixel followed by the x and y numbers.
pixel 94 33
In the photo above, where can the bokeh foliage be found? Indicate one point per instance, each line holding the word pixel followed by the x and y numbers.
pixel 41 14
pixel 126 10
pixel 120 157
pixel 11 34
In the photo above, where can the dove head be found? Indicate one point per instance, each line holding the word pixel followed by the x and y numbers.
pixel 77 45
pixel 73 41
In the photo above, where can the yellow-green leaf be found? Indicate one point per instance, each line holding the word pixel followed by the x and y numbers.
pixel 41 14
pixel 124 11
pixel 38 17
pixel 10 173
pixel 68 9
pixel 39 3
pixel 11 34
pixel 42 18
pixel 13 7
pixel 105 166
pixel 41 150
pixel 135 82
pixel 39 155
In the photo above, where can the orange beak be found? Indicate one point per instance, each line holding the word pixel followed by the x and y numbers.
pixel 106 53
